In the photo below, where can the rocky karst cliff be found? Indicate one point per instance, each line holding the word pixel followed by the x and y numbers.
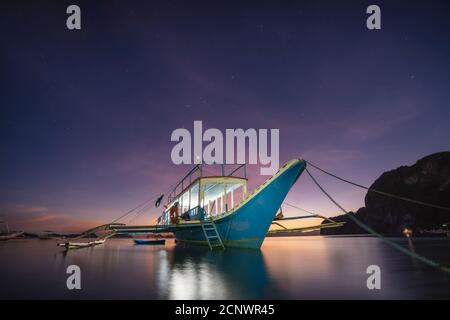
pixel 428 180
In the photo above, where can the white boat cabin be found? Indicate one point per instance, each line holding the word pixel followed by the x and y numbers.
pixel 197 197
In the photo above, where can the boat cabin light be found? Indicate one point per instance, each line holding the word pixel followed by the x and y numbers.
pixel 214 195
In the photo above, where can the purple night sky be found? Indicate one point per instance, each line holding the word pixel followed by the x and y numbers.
pixel 86 116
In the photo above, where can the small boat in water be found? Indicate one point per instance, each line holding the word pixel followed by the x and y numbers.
pixel 76 245
pixel 149 241
pixel 9 234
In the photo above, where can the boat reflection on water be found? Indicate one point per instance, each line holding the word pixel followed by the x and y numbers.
pixel 284 268
pixel 196 273
pixel 171 271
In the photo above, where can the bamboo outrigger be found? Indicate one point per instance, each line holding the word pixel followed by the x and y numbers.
pixel 330 224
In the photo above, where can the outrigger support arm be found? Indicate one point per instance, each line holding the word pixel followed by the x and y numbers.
pixel 330 224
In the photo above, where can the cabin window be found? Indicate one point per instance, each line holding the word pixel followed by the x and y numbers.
pixel 221 195
pixel 184 202
pixel 194 196
pixel 216 195
pixel 188 199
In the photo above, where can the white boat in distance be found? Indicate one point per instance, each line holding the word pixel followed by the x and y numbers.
pixel 9 234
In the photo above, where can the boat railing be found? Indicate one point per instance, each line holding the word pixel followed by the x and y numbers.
pixel 185 181
pixel 196 213
pixel 243 167
pixel 197 172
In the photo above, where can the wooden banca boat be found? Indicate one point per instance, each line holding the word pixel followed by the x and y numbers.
pixel 8 234
pixel 216 210
pixel 79 242
pixel 78 245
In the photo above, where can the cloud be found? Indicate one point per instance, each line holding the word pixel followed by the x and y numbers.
pixel 34 218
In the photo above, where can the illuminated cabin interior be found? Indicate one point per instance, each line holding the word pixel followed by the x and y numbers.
pixel 197 196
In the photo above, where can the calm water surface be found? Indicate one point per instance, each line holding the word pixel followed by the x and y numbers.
pixel 285 268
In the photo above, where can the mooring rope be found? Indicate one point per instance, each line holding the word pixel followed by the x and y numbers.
pixel 140 212
pixel 396 246
pixel 378 191
pixel 310 212
pixel 135 208
pixel 144 205
pixel 299 208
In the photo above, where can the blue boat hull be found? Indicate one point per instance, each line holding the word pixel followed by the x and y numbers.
pixel 149 242
pixel 247 225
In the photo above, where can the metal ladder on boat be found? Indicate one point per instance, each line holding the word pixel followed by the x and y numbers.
pixel 212 236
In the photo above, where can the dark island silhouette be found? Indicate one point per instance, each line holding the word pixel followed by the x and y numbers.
pixel 428 180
